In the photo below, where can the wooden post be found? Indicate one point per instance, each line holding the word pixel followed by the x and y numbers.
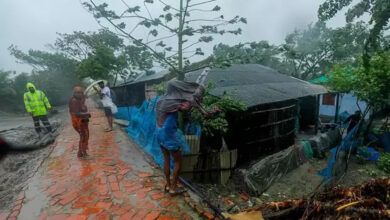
pixel 180 56
pixel 336 115
pixel 191 160
pixel 317 114
pixel 180 41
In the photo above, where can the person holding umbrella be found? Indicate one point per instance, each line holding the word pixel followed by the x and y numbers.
pixel 105 96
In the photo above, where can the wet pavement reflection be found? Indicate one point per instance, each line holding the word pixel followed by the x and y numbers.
pixel 101 186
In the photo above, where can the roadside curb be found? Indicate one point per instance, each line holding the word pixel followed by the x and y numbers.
pixel 197 207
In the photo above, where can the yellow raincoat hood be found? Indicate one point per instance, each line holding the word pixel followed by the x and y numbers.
pixel 30 85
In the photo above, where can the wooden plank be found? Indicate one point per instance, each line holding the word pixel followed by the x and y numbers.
pixel 123 123
pixel 317 114
pixel 211 167
pixel 227 160
pixel 336 115
pixel 190 160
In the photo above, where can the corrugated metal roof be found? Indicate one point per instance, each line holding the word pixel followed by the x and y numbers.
pixel 255 84
pixel 146 77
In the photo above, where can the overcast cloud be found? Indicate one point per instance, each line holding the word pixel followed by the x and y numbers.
pixel 32 24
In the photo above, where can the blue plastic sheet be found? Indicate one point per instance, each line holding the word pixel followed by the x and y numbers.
pixel 346 145
pixel 369 154
pixel 385 140
pixel 170 137
pixel 193 129
pixel 342 117
pixel 142 129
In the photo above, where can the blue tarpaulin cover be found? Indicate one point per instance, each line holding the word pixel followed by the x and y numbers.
pixel 369 153
pixel 345 145
pixel 142 129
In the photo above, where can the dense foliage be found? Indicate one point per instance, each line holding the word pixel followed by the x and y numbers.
pixel 378 10
pixel 370 85
pixel 256 52
pixel 103 55
pixel 73 60
pixel 216 125
pixel 8 93
pixel 53 73
pixel 305 54
pixel 384 162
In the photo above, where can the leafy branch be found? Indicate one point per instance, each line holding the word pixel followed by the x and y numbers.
pixel 379 10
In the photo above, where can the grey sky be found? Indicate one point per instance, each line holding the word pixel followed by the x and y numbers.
pixel 32 24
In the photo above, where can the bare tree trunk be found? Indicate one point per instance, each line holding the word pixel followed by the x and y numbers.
pixel 370 121
pixel 180 74
pixel 116 78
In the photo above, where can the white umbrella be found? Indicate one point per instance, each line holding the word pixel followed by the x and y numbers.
pixel 94 88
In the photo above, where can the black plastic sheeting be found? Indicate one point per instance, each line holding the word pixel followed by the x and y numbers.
pixel 133 93
pixel 130 95
pixel 254 84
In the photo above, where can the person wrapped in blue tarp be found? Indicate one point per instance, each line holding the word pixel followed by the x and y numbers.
pixel 180 97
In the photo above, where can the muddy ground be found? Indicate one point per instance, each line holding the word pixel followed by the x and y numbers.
pixel 304 180
pixel 17 168
pixel 301 182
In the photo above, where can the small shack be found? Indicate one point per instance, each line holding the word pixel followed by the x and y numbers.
pixel 276 103
pixel 333 103
pixel 134 93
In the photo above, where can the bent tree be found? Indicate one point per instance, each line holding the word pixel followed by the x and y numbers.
pixel 378 10
pixel 103 55
pixel 370 85
pixel 157 26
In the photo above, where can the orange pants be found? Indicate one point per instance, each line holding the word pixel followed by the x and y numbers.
pixel 82 128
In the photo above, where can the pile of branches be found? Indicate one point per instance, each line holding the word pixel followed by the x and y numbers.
pixel 367 201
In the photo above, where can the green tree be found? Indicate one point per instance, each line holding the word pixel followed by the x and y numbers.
pixel 9 93
pixel 173 24
pixel 255 52
pixel 217 125
pixel 378 10
pixel 305 54
pixel 20 82
pixel 5 79
pixel 101 64
pixel 370 85
pixel 103 55
pixel 211 126
pixel 78 45
pixel 54 73
pixel 312 52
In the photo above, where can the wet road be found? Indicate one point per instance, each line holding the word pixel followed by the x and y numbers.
pixel 13 121
pixel 115 182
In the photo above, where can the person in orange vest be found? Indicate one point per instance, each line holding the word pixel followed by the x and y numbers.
pixel 80 119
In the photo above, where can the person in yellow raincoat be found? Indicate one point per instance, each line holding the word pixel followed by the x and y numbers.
pixel 37 104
